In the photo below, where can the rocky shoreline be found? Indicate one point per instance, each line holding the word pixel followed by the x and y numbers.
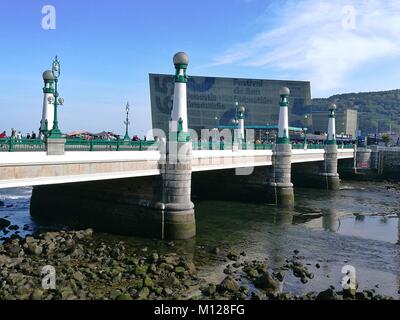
pixel 88 268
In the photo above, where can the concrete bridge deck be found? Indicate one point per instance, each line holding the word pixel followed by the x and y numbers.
pixel 22 169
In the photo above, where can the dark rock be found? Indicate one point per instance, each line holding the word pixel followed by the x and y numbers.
pixel 154 257
pixel 4 260
pixel 124 296
pixel 179 271
pixel 234 256
pixel 35 249
pixel 4 223
pixel 115 294
pixel 37 294
pixel 328 294
pixel 1 203
pixel 189 266
pixel 210 290
pixel 144 293
pixel 141 270
pixel 251 272
pixel 229 284
pixel 257 296
pixel 267 282
pixel 349 293
pixel 167 292
pixel 78 276
pixel 13 227
pixel 317 266
pixel 171 281
pixel 148 282
pixel 304 280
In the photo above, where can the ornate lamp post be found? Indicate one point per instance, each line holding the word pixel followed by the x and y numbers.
pixel 305 129
pixel 240 116
pixel 127 122
pixel 56 69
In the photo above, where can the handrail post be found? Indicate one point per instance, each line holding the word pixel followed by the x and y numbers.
pixel 91 145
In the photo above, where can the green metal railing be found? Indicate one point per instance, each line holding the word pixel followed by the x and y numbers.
pixel 13 144
pixel 109 145
pixel 18 145
pixel 228 146
pixel 315 146
pixel 297 146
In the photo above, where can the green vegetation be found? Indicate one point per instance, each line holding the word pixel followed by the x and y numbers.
pixel 378 111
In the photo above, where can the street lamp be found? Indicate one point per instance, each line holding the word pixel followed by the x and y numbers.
pixel 127 122
pixel 56 69
pixel 305 129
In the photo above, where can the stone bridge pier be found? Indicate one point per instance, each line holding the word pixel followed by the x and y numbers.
pixel 178 219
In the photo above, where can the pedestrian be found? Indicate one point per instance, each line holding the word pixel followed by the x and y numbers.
pixel 28 136
pixel 19 136
pixel 13 133
pixel 33 135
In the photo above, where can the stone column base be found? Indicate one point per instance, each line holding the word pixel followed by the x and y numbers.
pixel 282 194
pixel 178 224
pixel 330 180
pixel 55 146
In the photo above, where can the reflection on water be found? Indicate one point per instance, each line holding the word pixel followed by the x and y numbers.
pixel 357 225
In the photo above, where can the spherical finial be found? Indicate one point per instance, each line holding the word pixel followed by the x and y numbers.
pixel 181 58
pixel 332 106
pixel 48 75
pixel 284 91
pixel 242 109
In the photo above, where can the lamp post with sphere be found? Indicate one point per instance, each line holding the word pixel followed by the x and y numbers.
pixel 305 129
pixel 331 139
pixel 127 122
pixel 240 116
pixel 56 69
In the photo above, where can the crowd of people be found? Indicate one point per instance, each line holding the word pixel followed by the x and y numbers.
pixel 17 135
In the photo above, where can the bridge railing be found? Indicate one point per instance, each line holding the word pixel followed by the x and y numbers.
pixel 201 145
pixel 19 145
pixel 109 145
pixel 23 144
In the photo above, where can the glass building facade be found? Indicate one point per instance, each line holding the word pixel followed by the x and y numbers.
pixel 211 101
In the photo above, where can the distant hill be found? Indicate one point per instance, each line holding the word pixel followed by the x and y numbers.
pixel 377 110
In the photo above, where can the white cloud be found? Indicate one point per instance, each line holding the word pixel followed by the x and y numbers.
pixel 316 39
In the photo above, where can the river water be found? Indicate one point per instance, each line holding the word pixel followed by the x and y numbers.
pixel 358 226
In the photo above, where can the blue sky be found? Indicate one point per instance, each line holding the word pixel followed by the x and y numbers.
pixel 108 48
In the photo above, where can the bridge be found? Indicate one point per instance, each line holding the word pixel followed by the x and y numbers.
pixel 21 169
pixel 148 185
